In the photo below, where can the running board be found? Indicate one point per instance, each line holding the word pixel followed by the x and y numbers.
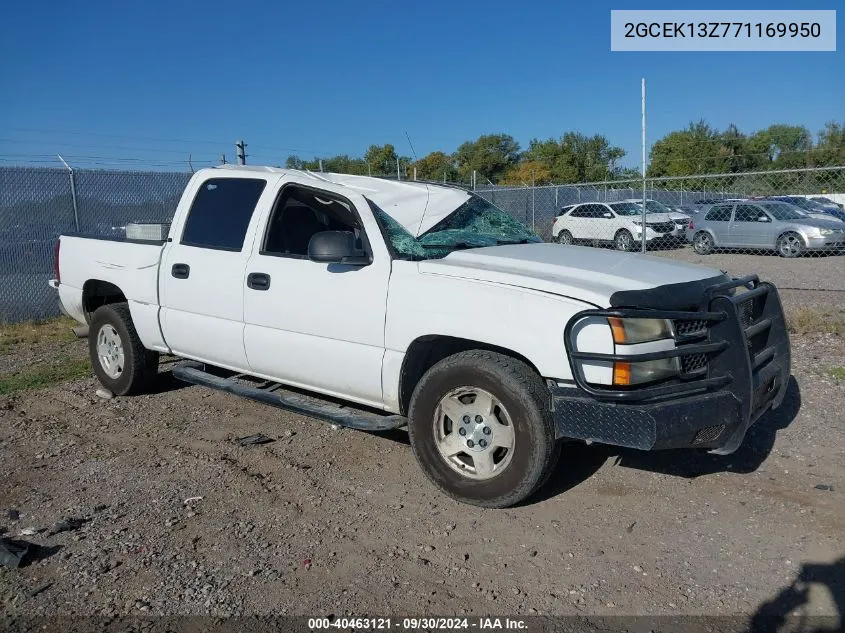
pixel 271 393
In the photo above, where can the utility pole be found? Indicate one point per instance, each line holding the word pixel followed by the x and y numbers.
pixel 398 176
pixel 643 226
pixel 240 148
pixel 321 165
pixel 222 159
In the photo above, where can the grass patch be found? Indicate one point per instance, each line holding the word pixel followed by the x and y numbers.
pixel 43 375
pixel 49 330
pixel 836 372
pixel 810 321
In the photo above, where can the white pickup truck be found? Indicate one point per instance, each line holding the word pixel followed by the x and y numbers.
pixel 378 304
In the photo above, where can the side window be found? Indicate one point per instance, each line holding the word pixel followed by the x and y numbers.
pixel 602 210
pixel 221 211
pixel 581 212
pixel 564 210
pixel 720 213
pixel 299 214
pixel 747 213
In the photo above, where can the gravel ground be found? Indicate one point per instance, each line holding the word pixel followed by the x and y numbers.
pixel 175 518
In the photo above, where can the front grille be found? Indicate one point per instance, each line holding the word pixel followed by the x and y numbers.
pixel 708 434
pixel 693 362
pixel 746 313
pixel 689 328
pixel 661 227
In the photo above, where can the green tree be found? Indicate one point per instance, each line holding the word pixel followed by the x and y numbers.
pixel 436 166
pixel 491 155
pixel 695 150
pixel 381 159
pixel 576 157
pixel 781 146
pixel 830 150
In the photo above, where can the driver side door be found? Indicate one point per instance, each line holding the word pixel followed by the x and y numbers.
pixel 315 325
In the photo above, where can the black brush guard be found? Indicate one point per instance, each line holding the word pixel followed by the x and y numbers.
pixel 735 353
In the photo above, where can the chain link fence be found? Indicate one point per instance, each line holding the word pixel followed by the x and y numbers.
pixel 39 204
pixel 787 215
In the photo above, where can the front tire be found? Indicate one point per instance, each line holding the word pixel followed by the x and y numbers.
pixel 790 245
pixel 624 241
pixel 120 361
pixel 481 428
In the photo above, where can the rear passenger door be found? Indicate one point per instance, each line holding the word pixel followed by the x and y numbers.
pixel 581 222
pixel 201 277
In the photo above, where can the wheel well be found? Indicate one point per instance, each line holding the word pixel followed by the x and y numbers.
pixel 791 232
pixel 427 351
pixel 622 230
pixel 96 293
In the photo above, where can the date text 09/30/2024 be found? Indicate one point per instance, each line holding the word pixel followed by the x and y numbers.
pixel 416 624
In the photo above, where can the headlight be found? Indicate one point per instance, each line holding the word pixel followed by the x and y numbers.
pixel 633 331
pixel 825 232
pixel 647 371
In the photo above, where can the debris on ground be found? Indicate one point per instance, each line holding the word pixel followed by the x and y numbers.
pixel 40 589
pixel 104 393
pixel 12 552
pixel 191 499
pixel 827 487
pixel 68 525
pixel 30 531
pixel 253 440
pixel 307 563
pixel 12 514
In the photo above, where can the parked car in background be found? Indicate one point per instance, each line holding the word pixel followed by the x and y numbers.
pixel 764 225
pixel 827 203
pixel 813 209
pixel 680 218
pixel 618 223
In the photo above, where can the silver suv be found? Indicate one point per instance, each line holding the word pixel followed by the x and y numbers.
pixel 764 225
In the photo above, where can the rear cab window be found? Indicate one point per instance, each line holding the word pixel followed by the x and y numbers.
pixel 220 213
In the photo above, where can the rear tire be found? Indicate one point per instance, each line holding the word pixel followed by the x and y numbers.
pixel 702 243
pixel 564 237
pixel 790 245
pixel 120 361
pixel 624 241
pixel 500 447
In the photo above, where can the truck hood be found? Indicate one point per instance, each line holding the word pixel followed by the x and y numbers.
pixel 584 273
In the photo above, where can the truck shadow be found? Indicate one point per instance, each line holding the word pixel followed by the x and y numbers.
pixel 579 462
pixel 787 611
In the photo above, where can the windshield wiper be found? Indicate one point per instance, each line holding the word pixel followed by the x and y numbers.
pixel 456 245
pixel 522 241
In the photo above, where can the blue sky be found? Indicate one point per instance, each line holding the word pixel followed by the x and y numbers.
pixel 145 84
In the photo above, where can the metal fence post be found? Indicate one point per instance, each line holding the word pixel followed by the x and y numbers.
pixel 72 192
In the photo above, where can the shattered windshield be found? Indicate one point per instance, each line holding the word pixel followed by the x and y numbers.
pixel 474 224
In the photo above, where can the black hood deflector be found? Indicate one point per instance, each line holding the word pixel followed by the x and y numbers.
pixel 687 295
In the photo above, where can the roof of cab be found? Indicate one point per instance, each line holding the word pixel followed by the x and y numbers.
pixel 417 206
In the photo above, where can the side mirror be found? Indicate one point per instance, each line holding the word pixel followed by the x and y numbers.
pixel 763 218
pixel 336 247
pixel 608 215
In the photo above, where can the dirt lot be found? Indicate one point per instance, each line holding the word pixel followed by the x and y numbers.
pixel 178 519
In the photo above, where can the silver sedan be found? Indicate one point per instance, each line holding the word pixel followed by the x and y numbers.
pixel 764 225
